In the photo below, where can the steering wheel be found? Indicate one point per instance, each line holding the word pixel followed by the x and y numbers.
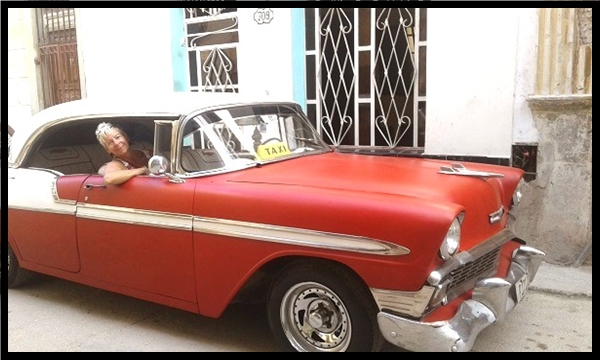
pixel 271 139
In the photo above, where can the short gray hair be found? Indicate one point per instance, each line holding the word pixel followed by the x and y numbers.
pixel 103 129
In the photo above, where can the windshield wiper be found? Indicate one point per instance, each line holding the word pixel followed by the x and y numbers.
pixel 309 141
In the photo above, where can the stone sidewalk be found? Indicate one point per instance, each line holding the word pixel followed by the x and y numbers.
pixel 571 281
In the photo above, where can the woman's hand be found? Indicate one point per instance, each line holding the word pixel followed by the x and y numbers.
pixel 143 171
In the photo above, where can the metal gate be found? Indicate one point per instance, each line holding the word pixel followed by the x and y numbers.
pixel 365 75
pixel 58 62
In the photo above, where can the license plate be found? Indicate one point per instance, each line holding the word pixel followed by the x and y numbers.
pixel 521 287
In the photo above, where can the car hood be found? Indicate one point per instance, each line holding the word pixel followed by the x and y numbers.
pixel 403 177
pixel 406 176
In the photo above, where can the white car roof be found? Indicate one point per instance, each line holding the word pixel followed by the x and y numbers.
pixel 170 104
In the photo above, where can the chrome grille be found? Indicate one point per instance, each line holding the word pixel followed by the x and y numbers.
pixel 470 272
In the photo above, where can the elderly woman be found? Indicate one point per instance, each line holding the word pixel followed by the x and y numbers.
pixel 126 162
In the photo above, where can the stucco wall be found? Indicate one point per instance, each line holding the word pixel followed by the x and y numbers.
pixel 524 127
pixel 20 67
pixel 265 53
pixel 556 214
pixel 125 52
pixel 130 57
pixel 471 68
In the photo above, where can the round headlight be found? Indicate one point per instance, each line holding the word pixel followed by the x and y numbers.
pixel 518 194
pixel 451 243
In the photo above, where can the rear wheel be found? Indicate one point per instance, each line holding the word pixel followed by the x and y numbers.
pixel 322 308
pixel 16 274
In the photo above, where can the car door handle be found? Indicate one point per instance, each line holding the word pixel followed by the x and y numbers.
pixel 89 186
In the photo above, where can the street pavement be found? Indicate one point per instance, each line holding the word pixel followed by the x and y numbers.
pixel 54 315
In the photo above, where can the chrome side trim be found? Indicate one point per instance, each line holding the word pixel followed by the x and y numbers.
pixel 412 303
pixel 232 228
pixel 47 210
pixel 294 236
pixel 134 216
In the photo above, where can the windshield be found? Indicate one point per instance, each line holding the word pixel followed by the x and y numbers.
pixel 242 136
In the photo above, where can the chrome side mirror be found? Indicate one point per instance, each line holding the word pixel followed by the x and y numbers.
pixel 158 165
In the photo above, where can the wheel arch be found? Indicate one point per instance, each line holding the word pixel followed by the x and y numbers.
pixel 258 284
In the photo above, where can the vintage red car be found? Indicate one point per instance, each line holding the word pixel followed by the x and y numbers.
pixel 246 202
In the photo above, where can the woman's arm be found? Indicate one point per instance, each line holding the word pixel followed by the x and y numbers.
pixel 115 173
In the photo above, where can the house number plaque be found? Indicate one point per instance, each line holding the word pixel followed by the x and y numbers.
pixel 263 16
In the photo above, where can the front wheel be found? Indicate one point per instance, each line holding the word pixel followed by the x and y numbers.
pixel 322 308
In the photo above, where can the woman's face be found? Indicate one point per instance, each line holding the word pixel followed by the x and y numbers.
pixel 116 143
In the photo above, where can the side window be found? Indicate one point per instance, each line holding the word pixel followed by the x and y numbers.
pixel 163 131
pixel 197 152
pixel 72 148
pixel 69 149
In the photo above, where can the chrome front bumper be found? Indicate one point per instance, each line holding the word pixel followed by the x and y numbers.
pixel 492 299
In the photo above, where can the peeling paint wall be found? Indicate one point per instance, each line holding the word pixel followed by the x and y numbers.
pixel 564 61
pixel 557 214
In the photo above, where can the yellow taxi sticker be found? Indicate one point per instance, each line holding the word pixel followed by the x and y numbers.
pixel 272 150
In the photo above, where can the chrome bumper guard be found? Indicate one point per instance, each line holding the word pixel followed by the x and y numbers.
pixel 492 299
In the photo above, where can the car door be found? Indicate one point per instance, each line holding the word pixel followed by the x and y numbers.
pixel 42 216
pixel 138 235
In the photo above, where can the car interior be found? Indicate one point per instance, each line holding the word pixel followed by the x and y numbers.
pixel 74 149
